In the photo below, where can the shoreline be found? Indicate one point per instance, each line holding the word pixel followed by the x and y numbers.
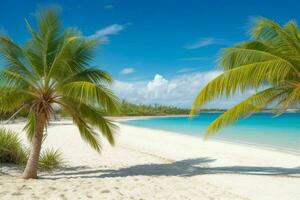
pixel 154 164
pixel 128 118
pixel 228 141
pixel 213 140
pixel 122 119
pixel 222 140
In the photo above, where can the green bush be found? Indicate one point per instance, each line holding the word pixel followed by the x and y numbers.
pixel 50 159
pixel 11 150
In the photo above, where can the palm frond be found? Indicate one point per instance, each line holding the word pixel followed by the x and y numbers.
pixel 92 75
pixel 87 134
pixel 92 116
pixel 15 80
pixel 8 101
pixel 248 106
pixel 242 79
pixel 270 60
pixel 30 126
pixel 14 57
pixel 236 57
pixel 86 131
pixel 268 30
pixel 58 67
pixel 292 29
pixel 92 94
pixel 292 99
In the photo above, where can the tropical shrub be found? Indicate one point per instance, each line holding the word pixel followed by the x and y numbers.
pixel 50 159
pixel 11 149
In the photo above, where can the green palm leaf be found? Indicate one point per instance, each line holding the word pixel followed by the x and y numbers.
pixel 271 60
pixel 91 93
pixel 250 105
pixel 30 126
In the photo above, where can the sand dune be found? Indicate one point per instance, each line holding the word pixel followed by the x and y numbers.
pixel 152 164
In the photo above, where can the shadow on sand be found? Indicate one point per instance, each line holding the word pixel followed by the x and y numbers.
pixel 183 168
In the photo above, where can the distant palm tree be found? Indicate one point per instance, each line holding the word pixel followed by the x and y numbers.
pixel 270 63
pixel 52 70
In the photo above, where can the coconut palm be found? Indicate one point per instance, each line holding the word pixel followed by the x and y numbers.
pixel 269 64
pixel 52 70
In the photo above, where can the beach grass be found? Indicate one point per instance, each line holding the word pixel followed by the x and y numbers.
pixel 50 159
pixel 11 149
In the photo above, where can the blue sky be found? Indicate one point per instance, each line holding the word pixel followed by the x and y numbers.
pixel 150 45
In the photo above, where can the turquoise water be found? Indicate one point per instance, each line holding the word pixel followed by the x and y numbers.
pixel 281 132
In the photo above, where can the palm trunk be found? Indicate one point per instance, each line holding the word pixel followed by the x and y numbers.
pixel 32 163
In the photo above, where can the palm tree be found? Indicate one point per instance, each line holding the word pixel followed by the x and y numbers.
pixel 269 64
pixel 52 70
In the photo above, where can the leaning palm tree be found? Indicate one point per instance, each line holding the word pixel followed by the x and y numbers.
pixel 52 70
pixel 269 64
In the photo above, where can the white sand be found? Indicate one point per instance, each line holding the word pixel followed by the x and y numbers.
pixel 152 164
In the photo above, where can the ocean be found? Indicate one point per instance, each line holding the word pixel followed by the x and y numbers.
pixel 262 129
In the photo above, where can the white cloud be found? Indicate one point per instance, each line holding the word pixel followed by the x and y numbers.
pixel 203 42
pixel 179 91
pixel 109 30
pixel 156 87
pixel 128 70
pixel 103 33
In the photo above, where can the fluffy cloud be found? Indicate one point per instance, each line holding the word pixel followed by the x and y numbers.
pixel 127 70
pixel 109 30
pixel 179 91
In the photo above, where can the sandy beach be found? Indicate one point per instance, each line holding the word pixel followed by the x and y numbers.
pixel 153 164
